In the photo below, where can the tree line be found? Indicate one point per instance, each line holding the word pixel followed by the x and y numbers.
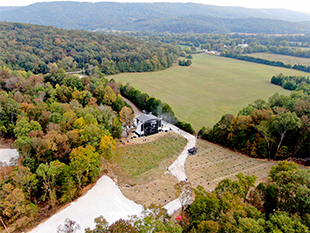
pixel 278 205
pixel 277 129
pixel 156 106
pixel 265 61
pixel 36 48
pixel 292 45
pixel 289 82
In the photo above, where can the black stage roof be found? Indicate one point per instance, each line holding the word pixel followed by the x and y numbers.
pixel 147 117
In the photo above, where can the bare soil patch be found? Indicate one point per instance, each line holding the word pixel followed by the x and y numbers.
pixel 213 163
pixel 6 143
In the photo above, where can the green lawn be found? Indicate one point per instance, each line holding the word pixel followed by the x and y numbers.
pixel 210 87
pixel 284 58
pixel 139 159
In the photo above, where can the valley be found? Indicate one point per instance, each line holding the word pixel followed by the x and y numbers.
pixel 154 117
pixel 202 93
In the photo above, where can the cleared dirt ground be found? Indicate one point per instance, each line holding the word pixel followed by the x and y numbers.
pixel 214 163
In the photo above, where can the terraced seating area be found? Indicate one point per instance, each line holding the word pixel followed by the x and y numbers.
pixel 213 163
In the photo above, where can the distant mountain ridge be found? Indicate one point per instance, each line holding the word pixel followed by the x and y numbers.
pixel 127 16
pixel 203 24
pixel 7 8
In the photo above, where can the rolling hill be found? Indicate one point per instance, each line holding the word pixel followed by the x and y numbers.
pixel 151 16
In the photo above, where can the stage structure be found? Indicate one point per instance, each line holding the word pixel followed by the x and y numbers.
pixel 148 124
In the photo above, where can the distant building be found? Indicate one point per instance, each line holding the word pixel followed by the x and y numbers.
pixel 243 45
pixel 148 124
pixel 211 52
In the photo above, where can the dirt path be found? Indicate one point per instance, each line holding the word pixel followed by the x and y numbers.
pixel 136 110
pixel 177 168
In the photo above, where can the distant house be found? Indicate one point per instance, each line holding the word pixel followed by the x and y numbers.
pixel 243 45
pixel 211 52
pixel 148 124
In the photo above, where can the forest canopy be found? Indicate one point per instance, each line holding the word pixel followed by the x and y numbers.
pixel 63 127
pixel 37 48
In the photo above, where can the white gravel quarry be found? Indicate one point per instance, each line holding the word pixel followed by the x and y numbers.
pixel 8 157
pixel 104 199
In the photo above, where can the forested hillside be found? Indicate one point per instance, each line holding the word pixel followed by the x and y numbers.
pixel 37 48
pixel 171 17
pixel 63 127
pixel 205 24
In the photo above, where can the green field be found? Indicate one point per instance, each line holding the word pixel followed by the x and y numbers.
pixel 138 159
pixel 283 58
pixel 209 88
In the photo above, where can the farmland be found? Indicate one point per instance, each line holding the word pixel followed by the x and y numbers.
pixel 211 87
pixel 283 58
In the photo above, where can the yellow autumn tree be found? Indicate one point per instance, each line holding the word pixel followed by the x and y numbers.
pixel 109 95
pixel 126 116
pixel 79 123
pixel 107 145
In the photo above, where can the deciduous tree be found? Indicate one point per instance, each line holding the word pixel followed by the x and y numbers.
pixel 126 116
pixel 84 164
pixel 284 122
pixel 49 173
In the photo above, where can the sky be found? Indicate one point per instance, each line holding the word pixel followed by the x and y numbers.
pixel 296 5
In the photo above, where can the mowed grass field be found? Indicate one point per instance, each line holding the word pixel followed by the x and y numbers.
pixel 283 58
pixel 211 87
pixel 137 160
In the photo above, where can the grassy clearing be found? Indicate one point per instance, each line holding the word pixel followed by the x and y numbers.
pixel 211 87
pixel 283 58
pixel 207 168
pixel 137 160
pixel 141 168
pixel 214 163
